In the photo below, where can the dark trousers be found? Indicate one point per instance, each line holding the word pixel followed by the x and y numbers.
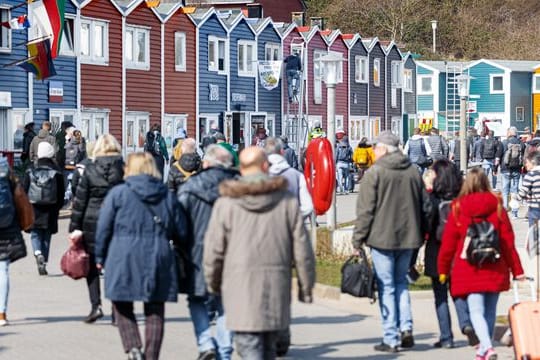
pixel 160 163
pixel 92 281
pixel 256 345
pixel 129 331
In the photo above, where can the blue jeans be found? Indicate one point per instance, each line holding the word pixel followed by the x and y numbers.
pixel 443 311
pixel 510 181
pixel 199 308
pixel 391 268
pixel 4 285
pixel 534 214
pixel 343 172
pixel 292 74
pixel 483 311
pixel 489 168
pixel 41 242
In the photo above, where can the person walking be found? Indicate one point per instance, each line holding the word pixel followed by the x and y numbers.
pixel 288 153
pixel 62 136
pixel 187 165
pixel 363 156
pixel 197 197
pixel 446 185
pixel 75 152
pixel 490 154
pixel 511 163
pixel 481 285
pixel 43 135
pixel 44 184
pixel 136 222
pixel 530 186
pixel 100 176
pixel 438 145
pixel 343 165
pixel 256 290
pixel 28 136
pixel 155 145
pixel 455 151
pixel 81 166
pixel 393 227
pixel 418 151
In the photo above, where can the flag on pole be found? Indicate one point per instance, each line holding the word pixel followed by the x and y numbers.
pixel 40 61
pixel 17 23
pixel 49 17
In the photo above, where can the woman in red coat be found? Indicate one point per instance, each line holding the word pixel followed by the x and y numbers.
pixel 480 285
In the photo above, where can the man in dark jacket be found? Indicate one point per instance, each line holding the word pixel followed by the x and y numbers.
pixel 197 197
pixel 393 227
pixel 28 136
pixel 491 154
pixel 155 145
pixel 511 164
pixel 43 135
pixel 61 142
pixel 293 68
pixel 289 154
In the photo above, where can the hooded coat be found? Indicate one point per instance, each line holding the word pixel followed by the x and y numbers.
pixel 392 206
pixel 98 178
pixel 255 233
pixel 197 197
pixel 134 248
pixel 43 135
pixel 465 278
pixel 189 163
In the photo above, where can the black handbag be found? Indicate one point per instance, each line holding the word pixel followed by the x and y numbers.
pixel 357 277
pixel 16 248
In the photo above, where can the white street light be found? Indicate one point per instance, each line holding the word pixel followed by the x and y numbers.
pixel 463 91
pixel 332 66
pixel 434 28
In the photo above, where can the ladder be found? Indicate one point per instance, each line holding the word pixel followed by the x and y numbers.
pixel 453 70
pixel 296 128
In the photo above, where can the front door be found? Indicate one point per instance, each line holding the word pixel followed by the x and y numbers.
pixel 258 123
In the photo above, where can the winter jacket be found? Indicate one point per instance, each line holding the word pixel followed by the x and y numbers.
pixel 392 205
pixel 530 188
pixel 10 234
pixel 455 150
pixel 190 164
pixel 510 140
pixel 231 150
pixel 78 173
pixel 255 234
pixel 46 216
pixel 415 147
pixel 465 278
pixel 485 151
pixel 344 152
pixel 363 151
pixel 290 156
pixel 134 248
pixel 61 144
pixel 197 197
pixel 439 147
pixel 42 136
pixel 296 182
pixel 75 151
pixel 99 177
pixel 28 136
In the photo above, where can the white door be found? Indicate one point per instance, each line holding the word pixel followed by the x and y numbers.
pixel 94 124
pixel 259 121
pixel 137 125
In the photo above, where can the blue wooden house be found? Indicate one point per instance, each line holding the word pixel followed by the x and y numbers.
pixel 15 106
pixel 500 94
pixel 212 51
pixel 377 82
pixel 409 95
pixel 393 97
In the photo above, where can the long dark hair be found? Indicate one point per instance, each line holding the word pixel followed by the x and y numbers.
pixel 448 180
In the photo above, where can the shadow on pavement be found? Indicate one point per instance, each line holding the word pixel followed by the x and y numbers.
pixel 79 319
pixel 328 319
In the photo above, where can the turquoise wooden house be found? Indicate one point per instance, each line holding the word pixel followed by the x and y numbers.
pixel 500 94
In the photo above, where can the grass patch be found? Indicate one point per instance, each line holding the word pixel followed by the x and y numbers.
pixel 502 320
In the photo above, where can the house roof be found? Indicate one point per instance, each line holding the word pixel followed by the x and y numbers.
pixel 218 2
pixel 512 65
pixel 440 66
pixel 307 32
pixel 369 43
pixel 387 47
pixel 329 36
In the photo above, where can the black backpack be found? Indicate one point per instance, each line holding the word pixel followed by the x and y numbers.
pixel 7 207
pixel 43 188
pixel 151 144
pixel 490 148
pixel 357 277
pixel 513 158
pixel 482 242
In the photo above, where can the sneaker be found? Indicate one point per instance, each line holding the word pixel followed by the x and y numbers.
pixel 135 354
pixel 490 355
pixel 41 265
pixel 407 340
pixel 468 331
pixel 386 348
pixel 3 319
pixel 95 313
pixel 207 355
pixel 445 345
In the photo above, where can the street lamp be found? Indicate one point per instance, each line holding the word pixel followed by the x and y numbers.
pixel 434 28
pixel 463 90
pixel 332 65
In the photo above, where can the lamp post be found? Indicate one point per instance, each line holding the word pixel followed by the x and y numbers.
pixel 434 28
pixel 463 89
pixel 331 65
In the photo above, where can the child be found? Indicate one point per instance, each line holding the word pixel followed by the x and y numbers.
pixel 514 205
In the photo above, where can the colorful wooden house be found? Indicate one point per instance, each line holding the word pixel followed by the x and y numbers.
pixel 500 94
pixel 377 81
pixel 409 95
pixel 358 83
pixel 393 97
pixel 15 100
pixel 536 98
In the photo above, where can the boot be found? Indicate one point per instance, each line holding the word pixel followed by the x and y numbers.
pixel 41 264
pixel 95 313
pixel 135 354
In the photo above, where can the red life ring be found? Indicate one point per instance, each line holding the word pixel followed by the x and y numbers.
pixel 319 153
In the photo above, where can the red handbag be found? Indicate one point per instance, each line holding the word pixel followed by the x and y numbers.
pixel 75 262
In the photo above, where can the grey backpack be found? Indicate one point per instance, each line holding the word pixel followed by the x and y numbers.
pixel 43 188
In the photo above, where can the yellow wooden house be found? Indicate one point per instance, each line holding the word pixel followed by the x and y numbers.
pixel 536 98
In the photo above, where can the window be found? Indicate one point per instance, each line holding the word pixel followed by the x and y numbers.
pixel 317 76
pixel 136 129
pixel 172 123
pixel 376 72
pixel 180 51
pixel 247 58
pixel 496 84
pixel 396 73
pixel 298 18
pixel 94 124
pixel 426 85
pixel 5 33
pixel 94 46
pixel 272 52
pixel 67 44
pixel 520 113
pixel 536 84
pixel 407 80
pixel 217 59
pixel 207 122
pixel 393 97
pixel 137 48
pixel 57 116
pixel 361 72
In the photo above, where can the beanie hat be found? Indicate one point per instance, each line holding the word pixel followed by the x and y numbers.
pixel 45 150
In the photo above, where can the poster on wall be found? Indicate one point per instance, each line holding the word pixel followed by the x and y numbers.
pixel 269 74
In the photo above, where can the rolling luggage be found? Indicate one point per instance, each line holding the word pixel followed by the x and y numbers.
pixel 524 319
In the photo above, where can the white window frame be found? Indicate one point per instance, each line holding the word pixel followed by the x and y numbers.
pixel 68 37
pixel 5 48
pixel 377 69
pixel 215 67
pixel 16 119
pixel 180 53
pixel 536 81
pixel 407 80
pixel 244 62
pixel 91 57
pixel 393 97
pixel 361 69
pixel 92 131
pixel 271 49
pixel 420 90
pixel 318 76
pixel 491 80
pixel 395 68
pixel 134 63
pixel 138 137
pixel 518 108
pixel 206 120
pixel 171 124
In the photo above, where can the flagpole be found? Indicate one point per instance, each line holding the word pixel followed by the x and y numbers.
pixel 33 40
pixel 20 5
pixel 17 62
